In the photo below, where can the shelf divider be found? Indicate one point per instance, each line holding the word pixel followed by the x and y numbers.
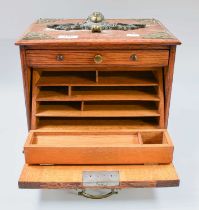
pixel 82 106
pixel 97 76
pixel 69 90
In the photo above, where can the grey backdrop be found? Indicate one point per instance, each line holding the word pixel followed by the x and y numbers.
pixel 182 18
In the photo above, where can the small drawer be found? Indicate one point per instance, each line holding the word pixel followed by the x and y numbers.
pixel 61 58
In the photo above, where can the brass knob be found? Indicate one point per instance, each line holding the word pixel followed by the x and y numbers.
pixel 96 17
pixel 134 57
pixel 98 59
pixel 59 57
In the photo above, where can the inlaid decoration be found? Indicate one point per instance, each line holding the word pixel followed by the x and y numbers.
pixel 37 36
pixel 157 35
pixel 96 23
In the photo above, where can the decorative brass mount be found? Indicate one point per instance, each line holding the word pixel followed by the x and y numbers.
pixel 96 23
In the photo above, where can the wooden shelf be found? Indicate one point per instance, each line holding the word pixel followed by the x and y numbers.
pixel 98 110
pixel 94 95
pixel 96 124
pixel 59 78
pixel 124 78
pixel 105 95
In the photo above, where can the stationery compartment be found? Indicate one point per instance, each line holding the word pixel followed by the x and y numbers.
pixel 97 78
pixel 97 123
pixel 91 147
pixel 127 78
pixel 114 93
pixel 98 93
pixel 64 78
pixel 153 137
pixel 97 109
pixel 94 93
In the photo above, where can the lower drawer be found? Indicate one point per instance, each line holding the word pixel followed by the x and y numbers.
pixel 137 147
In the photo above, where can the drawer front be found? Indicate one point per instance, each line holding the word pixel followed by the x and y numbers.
pixel 45 58
pixel 139 147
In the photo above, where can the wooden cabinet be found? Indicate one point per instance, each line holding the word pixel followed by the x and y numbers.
pixel 97 102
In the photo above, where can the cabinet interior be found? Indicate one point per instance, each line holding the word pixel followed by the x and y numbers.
pixel 122 99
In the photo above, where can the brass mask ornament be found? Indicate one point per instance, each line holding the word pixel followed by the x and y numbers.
pixel 96 23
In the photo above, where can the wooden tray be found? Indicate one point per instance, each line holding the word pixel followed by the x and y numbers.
pixel 138 147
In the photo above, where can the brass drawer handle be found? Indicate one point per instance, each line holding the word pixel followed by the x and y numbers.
pixel 133 57
pixel 59 57
pixel 87 195
pixel 98 59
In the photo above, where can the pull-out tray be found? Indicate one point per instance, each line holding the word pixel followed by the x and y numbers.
pixel 136 147
pixel 134 156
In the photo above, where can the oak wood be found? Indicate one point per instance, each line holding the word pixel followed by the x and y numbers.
pixel 168 80
pixel 95 95
pixel 101 68
pixel 26 75
pixel 35 91
pixel 70 177
pixel 45 58
pixel 147 101
pixel 111 38
pixel 98 110
pixel 113 46
pixel 160 90
pixel 98 124
pixel 98 148
pixel 111 78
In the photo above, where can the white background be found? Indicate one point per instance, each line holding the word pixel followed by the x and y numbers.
pixel 182 18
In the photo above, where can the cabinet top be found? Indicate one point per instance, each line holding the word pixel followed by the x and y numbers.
pixel 97 32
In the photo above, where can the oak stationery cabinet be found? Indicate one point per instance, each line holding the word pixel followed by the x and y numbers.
pixel 97 96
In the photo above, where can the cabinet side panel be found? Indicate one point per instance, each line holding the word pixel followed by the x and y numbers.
pixel 26 74
pixel 168 79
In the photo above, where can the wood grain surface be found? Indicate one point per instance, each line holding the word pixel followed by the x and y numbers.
pixel 111 38
pixel 117 96
pixel 46 58
pixel 53 147
pixel 70 177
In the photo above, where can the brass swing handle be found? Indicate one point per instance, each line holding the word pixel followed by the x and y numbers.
pixel 87 195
